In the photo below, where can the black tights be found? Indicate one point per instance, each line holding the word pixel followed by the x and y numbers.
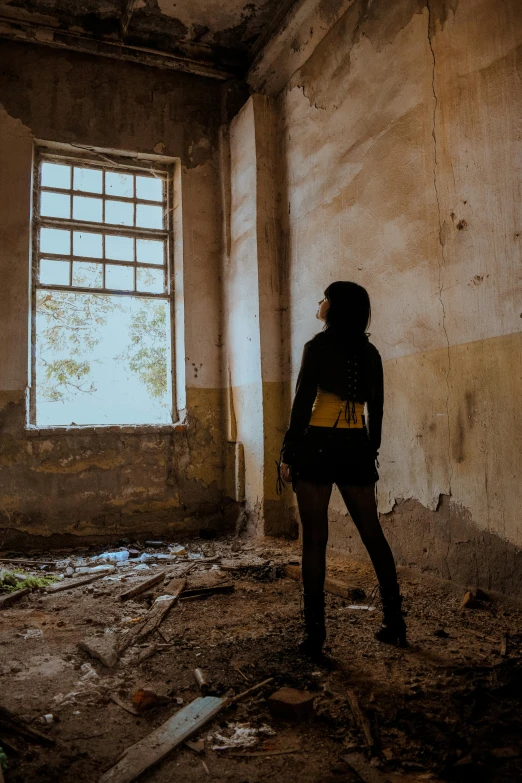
pixel 313 500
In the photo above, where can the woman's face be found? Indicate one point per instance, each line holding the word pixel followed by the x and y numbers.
pixel 324 304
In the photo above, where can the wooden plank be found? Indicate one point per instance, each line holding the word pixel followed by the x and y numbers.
pixel 175 586
pixel 208 590
pixel 11 598
pixel 143 586
pixel 27 562
pixel 156 614
pixel 68 584
pixel 331 585
pixel 360 719
pixel 157 745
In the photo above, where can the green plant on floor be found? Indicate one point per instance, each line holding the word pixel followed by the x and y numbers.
pixel 11 581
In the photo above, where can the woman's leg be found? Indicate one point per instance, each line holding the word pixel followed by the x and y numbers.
pixel 362 507
pixel 360 502
pixel 313 500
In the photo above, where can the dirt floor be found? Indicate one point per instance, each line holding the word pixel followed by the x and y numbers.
pixel 446 708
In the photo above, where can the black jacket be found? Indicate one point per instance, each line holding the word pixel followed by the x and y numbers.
pixel 324 366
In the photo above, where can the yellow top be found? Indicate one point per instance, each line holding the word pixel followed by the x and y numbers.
pixel 329 408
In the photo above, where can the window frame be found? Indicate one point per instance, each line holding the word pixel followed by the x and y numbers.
pixel 106 161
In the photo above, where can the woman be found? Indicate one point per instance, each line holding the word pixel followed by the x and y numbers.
pixel 329 441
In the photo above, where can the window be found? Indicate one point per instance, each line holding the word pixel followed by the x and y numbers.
pixel 102 342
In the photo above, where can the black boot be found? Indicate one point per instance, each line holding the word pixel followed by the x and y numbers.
pixel 315 630
pixel 393 627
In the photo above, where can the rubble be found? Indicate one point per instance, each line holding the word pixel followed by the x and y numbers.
pixel 104 648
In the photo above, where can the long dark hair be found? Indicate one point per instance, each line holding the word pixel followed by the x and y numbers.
pixel 350 313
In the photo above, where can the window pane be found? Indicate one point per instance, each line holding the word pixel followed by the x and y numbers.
pixel 149 217
pixel 54 272
pixel 85 208
pixel 54 240
pixel 119 248
pixel 89 180
pixel 54 175
pixel 150 251
pixel 149 188
pixel 87 275
pixel 119 212
pixel 119 184
pixel 150 280
pixel 108 364
pixel 87 244
pixel 120 278
pixel 55 205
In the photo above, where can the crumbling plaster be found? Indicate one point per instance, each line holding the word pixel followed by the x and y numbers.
pixel 402 150
pixel 104 481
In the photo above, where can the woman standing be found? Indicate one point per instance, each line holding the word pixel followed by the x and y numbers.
pixel 330 441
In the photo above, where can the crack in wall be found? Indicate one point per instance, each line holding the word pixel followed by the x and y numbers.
pixel 442 258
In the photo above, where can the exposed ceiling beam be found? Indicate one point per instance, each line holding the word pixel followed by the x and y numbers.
pixel 19 30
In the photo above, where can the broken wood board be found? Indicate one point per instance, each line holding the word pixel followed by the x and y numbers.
pixel 360 718
pixel 208 590
pixel 331 585
pixel 11 723
pixel 35 563
pixel 156 614
pixel 67 584
pixel 12 598
pixel 143 586
pixel 154 747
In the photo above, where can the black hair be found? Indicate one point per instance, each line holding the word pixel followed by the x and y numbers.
pixel 350 313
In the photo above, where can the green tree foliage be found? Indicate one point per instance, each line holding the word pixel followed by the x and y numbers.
pixel 146 354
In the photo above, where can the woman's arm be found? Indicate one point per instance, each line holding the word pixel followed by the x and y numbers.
pixel 305 394
pixel 376 402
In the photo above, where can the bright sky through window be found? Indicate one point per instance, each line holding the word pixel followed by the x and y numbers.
pixel 102 318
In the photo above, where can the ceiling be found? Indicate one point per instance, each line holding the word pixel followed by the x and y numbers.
pixel 225 34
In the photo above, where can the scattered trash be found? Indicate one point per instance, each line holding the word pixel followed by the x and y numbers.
pixel 141 567
pixel 363 607
pixel 146 699
pixel 201 680
pixel 243 736
pixel 178 550
pixel 291 704
pixel 111 557
pixel 32 633
pixel 49 718
pixel 116 699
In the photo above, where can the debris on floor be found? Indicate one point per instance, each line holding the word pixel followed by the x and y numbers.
pixel 184 654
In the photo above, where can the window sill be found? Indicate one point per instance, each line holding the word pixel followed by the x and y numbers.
pixel 101 429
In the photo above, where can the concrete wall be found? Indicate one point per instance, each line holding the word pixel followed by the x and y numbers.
pixel 401 142
pixel 107 481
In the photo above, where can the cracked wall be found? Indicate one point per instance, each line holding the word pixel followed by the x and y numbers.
pixel 59 484
pixel 401 144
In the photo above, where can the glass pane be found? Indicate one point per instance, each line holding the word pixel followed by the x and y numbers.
pixel 149 217
pixel 54 175
pixel 149 188
pixel 85 208
pixel 55 205
pixel 102 359
pixel 120 278
pixel 55 240
pixel 150 280
pixel 119 184
pixel 119 248
pixel 87 244
pixel 119 212
pixel 87 275
pixel 89 180
pixel 54 272
pixel 150 251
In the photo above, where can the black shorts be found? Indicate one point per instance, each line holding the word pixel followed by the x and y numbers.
pixel 328 455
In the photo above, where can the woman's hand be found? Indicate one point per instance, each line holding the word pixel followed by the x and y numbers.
pixel 286 472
